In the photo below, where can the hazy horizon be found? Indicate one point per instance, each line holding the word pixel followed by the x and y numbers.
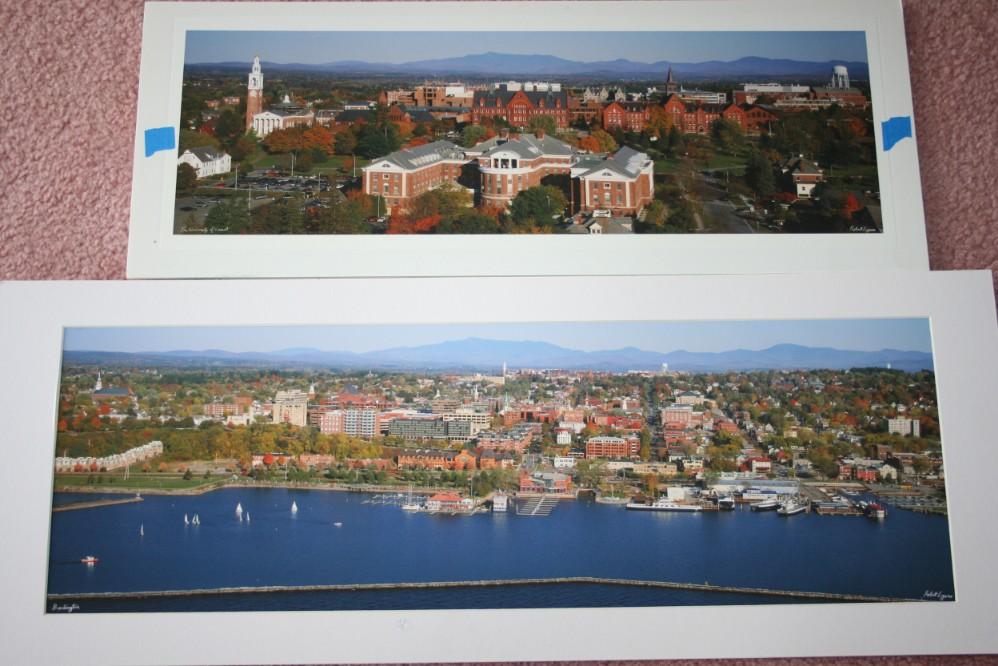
pixel 396 47
pixel 663 337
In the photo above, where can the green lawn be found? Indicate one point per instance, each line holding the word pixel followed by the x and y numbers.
pixel 135 480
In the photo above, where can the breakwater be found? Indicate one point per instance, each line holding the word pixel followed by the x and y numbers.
pixel 93 504
pixel 439 585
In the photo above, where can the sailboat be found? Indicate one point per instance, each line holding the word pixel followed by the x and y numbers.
pixel 247 516
pixel 186 520
pixel 196 520
pixel 410 502
pixel 142 530
pixel 294 507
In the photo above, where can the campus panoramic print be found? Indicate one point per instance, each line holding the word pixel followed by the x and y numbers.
pixel 526 132
pixel 498 466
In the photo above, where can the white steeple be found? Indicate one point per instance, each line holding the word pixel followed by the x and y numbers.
pixel 98 386
pixel 256 76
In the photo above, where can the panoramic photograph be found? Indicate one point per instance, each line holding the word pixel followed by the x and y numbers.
pixel 354 132
pixel 512 465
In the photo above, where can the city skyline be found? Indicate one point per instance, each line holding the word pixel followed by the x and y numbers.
pixel 394 47
pixel 718 336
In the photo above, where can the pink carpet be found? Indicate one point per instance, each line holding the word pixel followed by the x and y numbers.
pixel 68 95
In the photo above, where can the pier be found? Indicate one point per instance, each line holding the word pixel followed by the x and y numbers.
pixel 575 580
pixel 94 504
pixel 536 506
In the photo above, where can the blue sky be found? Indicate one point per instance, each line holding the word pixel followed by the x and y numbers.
pixel 860 335
pixel 397 47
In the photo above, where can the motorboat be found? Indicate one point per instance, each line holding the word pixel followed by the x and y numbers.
pixel 663 504
pixel 791 508
pixel 765 505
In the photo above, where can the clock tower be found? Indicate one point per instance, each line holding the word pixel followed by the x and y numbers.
pixel 254 93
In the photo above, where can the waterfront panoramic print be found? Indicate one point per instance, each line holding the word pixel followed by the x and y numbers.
pixel 546 465
pixel 538 132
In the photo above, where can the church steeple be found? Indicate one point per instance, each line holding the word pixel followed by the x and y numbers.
pixel 254 93
pixel 98 385
pixel 670 82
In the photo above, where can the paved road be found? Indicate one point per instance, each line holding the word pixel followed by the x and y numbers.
pixel 719 213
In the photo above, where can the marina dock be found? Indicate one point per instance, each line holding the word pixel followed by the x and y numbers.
pixel 94 504
pixel 578 580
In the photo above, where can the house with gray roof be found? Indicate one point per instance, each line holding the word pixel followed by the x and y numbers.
pixel 206 161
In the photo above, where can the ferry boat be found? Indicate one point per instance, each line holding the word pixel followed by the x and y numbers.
pixel 791 508
pixel 611 499
pixel 875 511
pixel 90 560
pixel 726 503
pixel 765 505
pixel 663 504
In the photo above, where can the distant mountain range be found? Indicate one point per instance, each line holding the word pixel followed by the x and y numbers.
pixel 501 65
pixel 489 355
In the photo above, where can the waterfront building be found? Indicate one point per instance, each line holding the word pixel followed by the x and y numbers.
pixel 291 407
pixel 438 459
pixel 108 463
pixel 549 483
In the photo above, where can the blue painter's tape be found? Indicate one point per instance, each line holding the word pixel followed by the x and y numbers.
pixel 159 138
pixel 895 129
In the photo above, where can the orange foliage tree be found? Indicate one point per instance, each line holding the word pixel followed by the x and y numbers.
pixel 403 224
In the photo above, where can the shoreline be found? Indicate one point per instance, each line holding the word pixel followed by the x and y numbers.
pixel 290 485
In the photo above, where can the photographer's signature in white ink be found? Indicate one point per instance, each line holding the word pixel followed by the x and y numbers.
pixel 936 595
pixel 65 608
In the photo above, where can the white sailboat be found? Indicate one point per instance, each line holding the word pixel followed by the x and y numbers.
pixel 294 507
pixel 142 530
pixel 239 508
pixel 247 517
pixel 196 520
pixel 186 520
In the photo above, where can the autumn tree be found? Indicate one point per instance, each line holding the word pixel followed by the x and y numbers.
pixel 607 144
pixel 589 143
pixel 193 139
pixel 187 177
pixel 538 207
pixel 759 175
pixel 228 217
pixel 543 123
pixel 472 135
pixel 229 127
pixel 726 135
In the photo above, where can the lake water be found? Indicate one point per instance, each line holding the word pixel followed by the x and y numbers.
pixel 903 556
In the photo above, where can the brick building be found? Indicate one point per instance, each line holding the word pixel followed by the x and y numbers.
pixel 612 447
pixel 626 116
pixel 517 107
pixel 622 183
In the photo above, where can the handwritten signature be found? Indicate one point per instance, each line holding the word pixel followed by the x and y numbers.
pixel 937 595
pixel 65 608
